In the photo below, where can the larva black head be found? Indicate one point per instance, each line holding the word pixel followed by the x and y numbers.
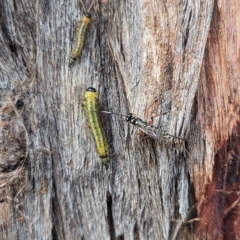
pixel 130 118
pixel 91 89
pixel 88 15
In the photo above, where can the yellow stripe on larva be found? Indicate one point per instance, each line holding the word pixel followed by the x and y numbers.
pixel 92 113
pixel 79 37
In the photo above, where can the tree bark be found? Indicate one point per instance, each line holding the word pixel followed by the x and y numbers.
pixel 143 57
pixel 218 115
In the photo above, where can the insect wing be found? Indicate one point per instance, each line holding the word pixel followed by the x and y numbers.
pixel 151 131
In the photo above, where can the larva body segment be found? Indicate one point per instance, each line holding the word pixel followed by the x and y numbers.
pixel 79 37
pixel 93 118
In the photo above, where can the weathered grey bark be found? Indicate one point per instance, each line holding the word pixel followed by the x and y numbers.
pixel 143 57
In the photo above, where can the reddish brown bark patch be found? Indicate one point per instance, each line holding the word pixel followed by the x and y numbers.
pixel 231 223
pixel 219 214
pixel 211 213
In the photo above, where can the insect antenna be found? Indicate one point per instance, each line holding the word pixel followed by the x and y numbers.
pixel 114 113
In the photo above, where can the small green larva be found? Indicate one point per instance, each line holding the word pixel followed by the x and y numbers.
pixel 79 37
pixel 93 118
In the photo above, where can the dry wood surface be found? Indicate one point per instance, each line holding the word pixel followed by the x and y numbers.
pixel 173 63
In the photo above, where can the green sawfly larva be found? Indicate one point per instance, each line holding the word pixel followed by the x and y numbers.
pixel 93 118
pixel 150 130
pixel 80 33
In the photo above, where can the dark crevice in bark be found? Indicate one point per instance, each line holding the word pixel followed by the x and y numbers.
pixel 19 104
pixel 54 234
pixel 58 228
pixel 139 185
pixel 181 128
pixel 136 233
pixel 187 30
pixel 110 217
pixel 57 221
pixel 10 167
pixel 120 237
pixel 12 46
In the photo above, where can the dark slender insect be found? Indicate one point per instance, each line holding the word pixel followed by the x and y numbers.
pixel 79 37
pixel 93 118
pixel 150 130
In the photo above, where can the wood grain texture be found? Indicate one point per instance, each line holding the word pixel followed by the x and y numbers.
pixel 217 177
pixel 143 57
